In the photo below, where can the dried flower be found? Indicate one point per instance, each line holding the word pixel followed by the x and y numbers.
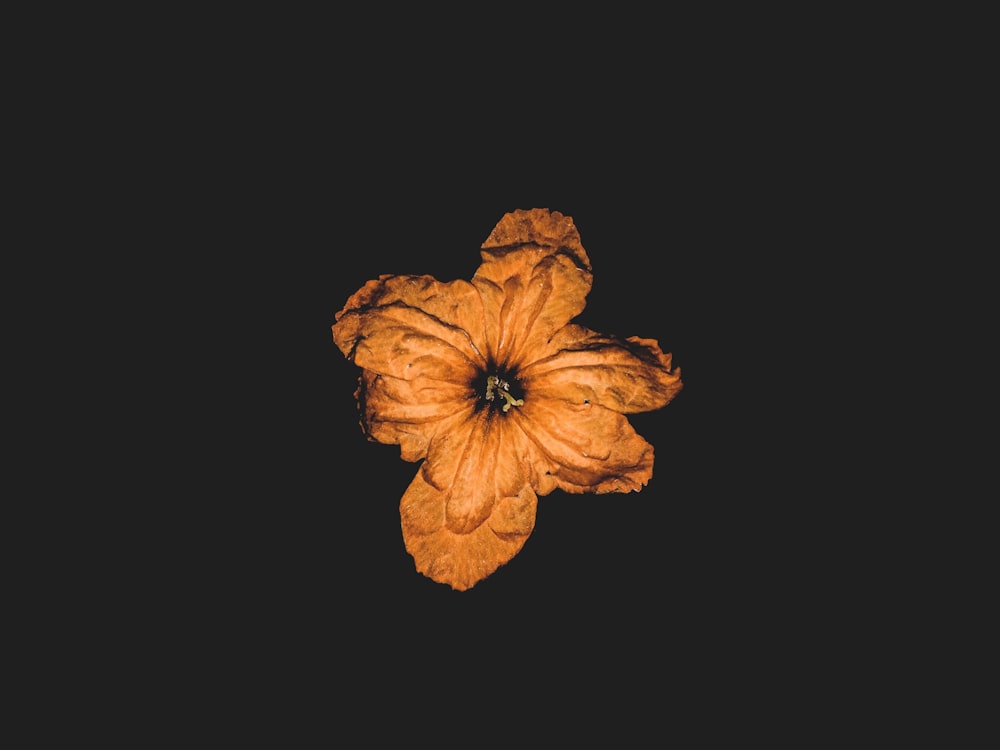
pixel 501 396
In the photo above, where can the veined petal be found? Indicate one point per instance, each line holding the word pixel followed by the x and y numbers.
pixel 454 303
pixel 585 447
pixel 402 353
pixel 461 531
pixel 426 348
pixel 534 279
pixel 411 412
pixel 460 462
pixel 462 560
pixel 540 228
pixel 449 448
pixel 580 366
pixel 413 326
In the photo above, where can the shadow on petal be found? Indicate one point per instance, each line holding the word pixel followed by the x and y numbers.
pixel 462 560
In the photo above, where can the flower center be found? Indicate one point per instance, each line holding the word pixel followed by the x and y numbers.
pixel 498 393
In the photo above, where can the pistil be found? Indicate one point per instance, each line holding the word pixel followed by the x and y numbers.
pixel 503 388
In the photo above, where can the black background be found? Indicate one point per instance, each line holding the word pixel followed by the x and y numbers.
pixel 717 202
pixel 688 238
pixel 219 544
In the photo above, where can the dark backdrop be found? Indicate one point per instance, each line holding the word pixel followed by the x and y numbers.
pixel 707 218
pixel 684 247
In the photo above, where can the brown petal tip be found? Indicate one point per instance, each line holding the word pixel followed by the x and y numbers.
pixel 538 226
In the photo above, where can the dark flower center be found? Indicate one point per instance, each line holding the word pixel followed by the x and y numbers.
pixel 498 389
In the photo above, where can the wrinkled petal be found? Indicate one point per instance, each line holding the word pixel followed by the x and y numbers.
pixel 584 447
pixel 411 412
pixel 419 361
pixel 534 279
pixel 580 366
pixel 458 462
pixel 411 327
pixel 471 507
pixel 459 560
pixel 425 348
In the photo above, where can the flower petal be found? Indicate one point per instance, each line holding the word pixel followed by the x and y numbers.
pixel 460 560
pixel 471 507
pixel 580 366
pixel 584 447
pixel 411 412
pixel 424 346
pixel 411 327
pixel 534 279
pixel 419 364
pixel 460 462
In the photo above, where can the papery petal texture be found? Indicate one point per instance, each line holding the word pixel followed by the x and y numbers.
pixel 471 507
pixel 411 334
pixel 585 447
pixel 413 326
pixel 410 412
pixel 534 279
pixel 434 356
pixel 580 366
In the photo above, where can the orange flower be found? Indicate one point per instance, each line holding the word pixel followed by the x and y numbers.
pixel 502 397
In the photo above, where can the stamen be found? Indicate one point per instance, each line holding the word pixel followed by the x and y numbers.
pixel 503 388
